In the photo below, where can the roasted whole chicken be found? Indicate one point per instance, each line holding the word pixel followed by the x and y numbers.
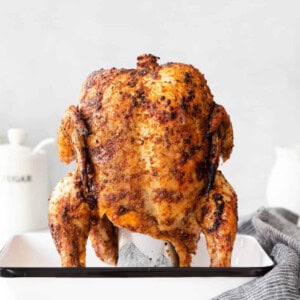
pixel 147 144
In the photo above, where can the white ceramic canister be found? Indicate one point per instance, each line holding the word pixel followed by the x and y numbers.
pixel 283 188
pixel 24 189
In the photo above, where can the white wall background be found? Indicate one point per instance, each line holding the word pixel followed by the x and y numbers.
pixel 248 50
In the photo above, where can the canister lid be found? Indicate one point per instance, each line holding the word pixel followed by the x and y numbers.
pixel 16 138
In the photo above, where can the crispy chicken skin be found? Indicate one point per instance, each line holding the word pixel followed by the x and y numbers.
pixel 73 213
pixel 218 217
pixel 147 143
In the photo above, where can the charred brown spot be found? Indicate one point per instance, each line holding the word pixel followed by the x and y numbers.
pixel 142 72
pixel 122 210
pixel 187 140
pixel 125 96
pixel 219 207
pixel 105 152
pixel 187 77
pixel 172 115
pixel 65 213
pixel 94 219
pixel 184 158
pixel 136 194
pixel 217 196
pixel 132 83
pixel 169 195
pixel 155 75
pixel 122 194
pixel 169 221
pixel 204 211
pixel 228 238
pixel 85 181
pixel 201 170
pixel 196 111
pixel 140 94
pixel 135 175
pixel 178 197
pixel 184 236
pixel 211 176
pixel 99 105
pixel 194 149
pixel 110 197
pixel 163 116
pixel 134 102
pixel 178 175
pixel 91 200
pixel 190 180
pixel 147 61
pixel 183 104
pixel 191 95
pixel 154 172
pixel 213 228
pixel 219 202
pixel 167 142
pixel 164 193
pixel 83 172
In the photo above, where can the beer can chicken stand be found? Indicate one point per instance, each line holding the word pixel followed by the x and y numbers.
pixel 147 144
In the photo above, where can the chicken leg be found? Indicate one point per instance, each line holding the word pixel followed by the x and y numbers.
pixel 219 221
pixel 73 214
pixel 69 220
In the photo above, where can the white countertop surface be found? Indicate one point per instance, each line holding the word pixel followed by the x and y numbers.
pixel 113 288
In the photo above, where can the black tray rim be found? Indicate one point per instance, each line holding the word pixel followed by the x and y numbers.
pixel 125 272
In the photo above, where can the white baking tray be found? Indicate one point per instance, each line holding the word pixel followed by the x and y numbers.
pixel 34 255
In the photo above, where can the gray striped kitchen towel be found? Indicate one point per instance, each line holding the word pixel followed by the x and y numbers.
pixel 277 231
